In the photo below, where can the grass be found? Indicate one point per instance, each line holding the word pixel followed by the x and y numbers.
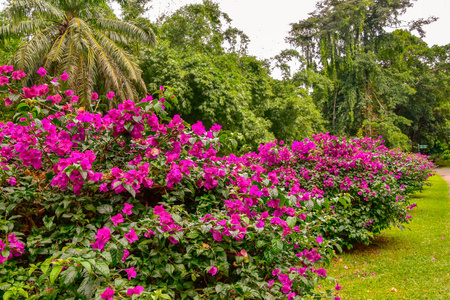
pixel 409 264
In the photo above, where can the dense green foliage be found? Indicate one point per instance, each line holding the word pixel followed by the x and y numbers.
pixel 205 61
pixel 370 82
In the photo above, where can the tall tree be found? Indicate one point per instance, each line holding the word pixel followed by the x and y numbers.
pixel 204 59
pixel 81 37
pixel 341 41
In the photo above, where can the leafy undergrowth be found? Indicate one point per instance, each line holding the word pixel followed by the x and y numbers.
pixel 413 264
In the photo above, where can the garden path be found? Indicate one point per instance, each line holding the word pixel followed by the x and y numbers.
pixel 445 174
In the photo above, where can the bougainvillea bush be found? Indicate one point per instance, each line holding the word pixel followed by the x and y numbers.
pixel 130 203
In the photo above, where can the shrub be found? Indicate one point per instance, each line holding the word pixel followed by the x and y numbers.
pixel 130 203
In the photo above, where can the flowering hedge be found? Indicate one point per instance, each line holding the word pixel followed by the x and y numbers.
pixel 131 203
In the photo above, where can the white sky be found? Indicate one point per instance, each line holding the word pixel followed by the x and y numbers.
pixel 266 22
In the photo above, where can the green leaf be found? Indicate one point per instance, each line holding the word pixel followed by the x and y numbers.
pixel 103 268
pixel 107 255
pixel 45 265
pixel 170 268
pixel 192 234
pixel 7 295
pixel 86 265
pixel 4 286
pixel 105 209
pixel 277 246
pixel 38 123
pixel 130 189
pixel 15 97
pixel 55 273
pixel 260 243
pixel 71 275
pixel 343 202
pixel 309 204
pixel 291 221
pixel 119 282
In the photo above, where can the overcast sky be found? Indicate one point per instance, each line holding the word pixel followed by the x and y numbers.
pixel 266 22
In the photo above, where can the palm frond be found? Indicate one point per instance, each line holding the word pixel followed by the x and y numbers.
pixel 30 55
pixel 121 58
pixel 23 28
pixel 20 9
pixel 125 28
pixel 104 62
pixel 57 49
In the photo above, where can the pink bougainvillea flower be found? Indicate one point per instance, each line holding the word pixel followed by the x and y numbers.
pixel 126 253
pixel 107 294
pixel 17 75
pixel 127 209
pixel 198 128
pixel 174 176
pixel 276 272
pixel 319 239
pixel 338 287
pixel 131 273
pixel 42 72
pixel 216 127
pixel 103 187
pixel 94 96
pixel 213 270
pixel 131 236
pixel 64 76
pixel 110 95
pixel 137 290
pixel 321 272
pixel 337 298
pixel 117 219
pixel 12 181
pixel 173 240
pixel 69 93
pixel 4 80
pixel 149 233
pixel 15 246
pixel 103 236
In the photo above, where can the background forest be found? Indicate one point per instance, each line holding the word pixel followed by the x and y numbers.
pixel 352 76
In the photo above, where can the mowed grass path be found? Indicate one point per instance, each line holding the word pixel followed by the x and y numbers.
pixel 408 264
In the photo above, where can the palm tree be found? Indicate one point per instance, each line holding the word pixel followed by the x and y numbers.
pixel 81 37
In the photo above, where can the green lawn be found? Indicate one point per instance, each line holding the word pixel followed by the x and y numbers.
pixel 409 264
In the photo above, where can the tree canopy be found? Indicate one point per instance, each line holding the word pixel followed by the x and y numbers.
pixel 361 75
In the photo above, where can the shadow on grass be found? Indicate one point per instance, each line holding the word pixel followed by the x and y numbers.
pixel 377 244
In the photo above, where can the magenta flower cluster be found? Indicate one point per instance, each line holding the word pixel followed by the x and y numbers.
pixel 13 246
